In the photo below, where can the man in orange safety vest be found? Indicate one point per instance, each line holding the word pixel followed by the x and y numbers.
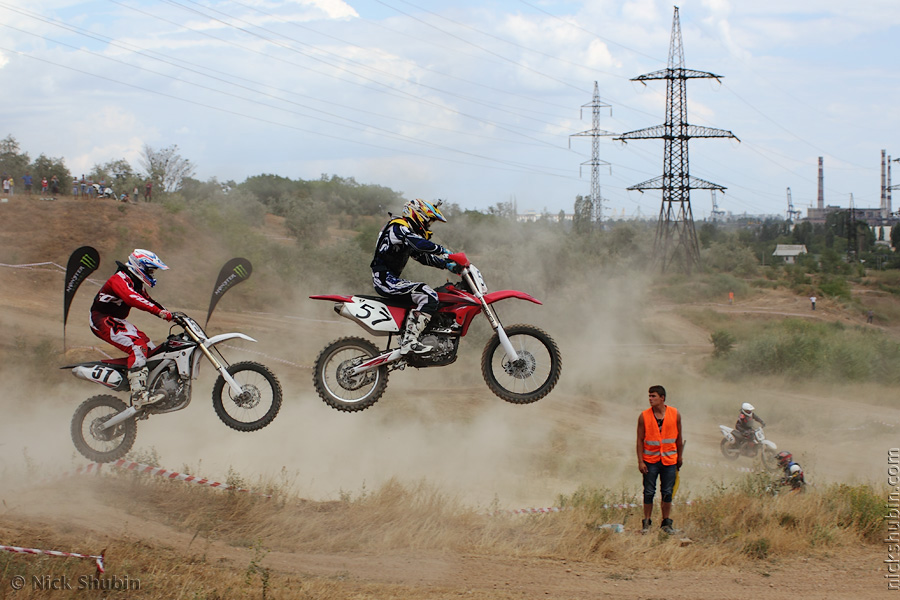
pixel 659 453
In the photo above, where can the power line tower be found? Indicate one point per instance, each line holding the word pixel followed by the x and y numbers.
pixel 595 133
pixel 676 238
pixel 715 213
pixel 790 209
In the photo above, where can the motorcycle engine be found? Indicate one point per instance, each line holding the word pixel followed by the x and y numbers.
pixel 443 350
pixel 169 384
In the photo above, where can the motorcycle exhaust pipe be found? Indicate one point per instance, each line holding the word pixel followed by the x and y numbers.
pixel 125 414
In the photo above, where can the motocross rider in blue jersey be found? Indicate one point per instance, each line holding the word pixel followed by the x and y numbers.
pixel 404 237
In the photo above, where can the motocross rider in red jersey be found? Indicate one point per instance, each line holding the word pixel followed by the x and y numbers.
pixel 404 237
pixel 122 292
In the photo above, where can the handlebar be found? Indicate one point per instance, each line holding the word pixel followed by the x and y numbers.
pixel 460 259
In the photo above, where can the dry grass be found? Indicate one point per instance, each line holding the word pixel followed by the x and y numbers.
pixel 730 526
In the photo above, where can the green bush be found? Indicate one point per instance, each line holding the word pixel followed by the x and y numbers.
pixel 799 349
pixel 722 342
pixel 857 507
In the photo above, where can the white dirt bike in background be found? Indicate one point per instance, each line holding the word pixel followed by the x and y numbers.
pixel 246 395
pixel 734 445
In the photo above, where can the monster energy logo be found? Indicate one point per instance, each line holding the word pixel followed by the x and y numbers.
pixel 88 261
pixel 224 285
pixel 240 271
pixel 76 279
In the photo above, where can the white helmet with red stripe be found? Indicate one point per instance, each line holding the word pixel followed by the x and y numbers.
pixel 144 264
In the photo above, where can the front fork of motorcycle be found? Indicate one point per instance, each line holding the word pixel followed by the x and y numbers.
pixel 232 384
pixel 492 318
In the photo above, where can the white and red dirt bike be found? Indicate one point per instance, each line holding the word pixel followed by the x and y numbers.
pixel 734 444
pixel 246 395
pixel 520 363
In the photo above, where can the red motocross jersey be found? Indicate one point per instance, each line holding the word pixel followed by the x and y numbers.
pixel 120 294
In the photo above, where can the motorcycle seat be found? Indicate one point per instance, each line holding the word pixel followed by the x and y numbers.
pixel 398 302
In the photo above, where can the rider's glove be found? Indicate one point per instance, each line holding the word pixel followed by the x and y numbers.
pixel 454 267
pixel 164 314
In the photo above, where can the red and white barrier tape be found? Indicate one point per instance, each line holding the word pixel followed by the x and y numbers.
pixel 151 470
pixel 556 509
pixel 98 560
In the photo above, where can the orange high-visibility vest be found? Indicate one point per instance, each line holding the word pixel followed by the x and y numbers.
pixel 661 444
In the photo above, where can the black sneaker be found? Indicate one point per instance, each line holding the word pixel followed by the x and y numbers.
pixel 645 525
pixel 667 526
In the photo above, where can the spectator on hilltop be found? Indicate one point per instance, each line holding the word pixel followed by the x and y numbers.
pixel 6 181
pixel 148 191
pixel 26 179
pixel 45 186
pixel 75 187
pixel 54 185
pixel 83 185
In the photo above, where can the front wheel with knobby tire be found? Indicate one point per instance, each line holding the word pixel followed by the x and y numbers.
pixel 341 389
pixel 97 444
pixel 769 458
pixel 258 402
pixel 532 375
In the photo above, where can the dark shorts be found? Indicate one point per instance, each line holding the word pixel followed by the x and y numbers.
pixel 666 474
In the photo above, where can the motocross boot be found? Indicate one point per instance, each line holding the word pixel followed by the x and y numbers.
pixel 415 325
pixel 137 380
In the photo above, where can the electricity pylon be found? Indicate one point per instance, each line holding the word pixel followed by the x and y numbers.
pixel 675 234
pixel 595 133
pixel 716 213
pixel 790 209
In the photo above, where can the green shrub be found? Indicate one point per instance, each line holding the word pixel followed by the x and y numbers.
pixel 798 349
pixel 722 342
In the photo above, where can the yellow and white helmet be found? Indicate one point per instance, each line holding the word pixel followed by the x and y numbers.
pixel 422 214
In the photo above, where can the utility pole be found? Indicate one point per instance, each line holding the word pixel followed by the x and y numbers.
pixel 790 209
pixel 595 133
pixel 676 238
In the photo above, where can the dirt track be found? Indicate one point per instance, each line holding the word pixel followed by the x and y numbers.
pixel 464 439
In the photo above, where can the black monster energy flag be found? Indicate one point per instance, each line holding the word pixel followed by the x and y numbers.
pixel 235 271
pixel 82 263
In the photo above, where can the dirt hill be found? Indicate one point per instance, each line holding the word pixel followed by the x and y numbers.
pixel 442 427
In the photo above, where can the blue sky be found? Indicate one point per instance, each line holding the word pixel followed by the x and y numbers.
pixel 474 102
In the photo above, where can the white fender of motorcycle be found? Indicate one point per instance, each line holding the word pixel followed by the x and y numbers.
pixel 372 315
pixel 726 431
pixel 106 376
pixel 770 444
pixel 226 336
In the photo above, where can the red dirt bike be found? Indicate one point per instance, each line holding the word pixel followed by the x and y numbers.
pixel 520 363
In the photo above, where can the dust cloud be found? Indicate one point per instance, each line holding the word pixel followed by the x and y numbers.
pixel 441 425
